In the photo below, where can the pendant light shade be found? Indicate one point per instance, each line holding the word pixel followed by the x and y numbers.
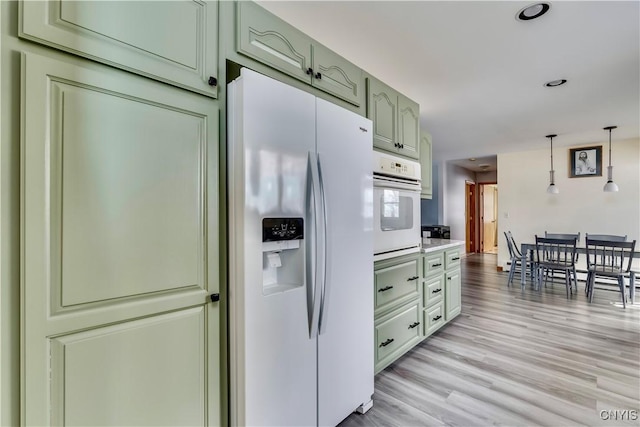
pixel 552 188
pixel 610 186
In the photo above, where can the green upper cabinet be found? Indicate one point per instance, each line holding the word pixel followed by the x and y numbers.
pixel 408 126
pixel 175 42
pixel 426 161
pixel 395 117
pixel 270 40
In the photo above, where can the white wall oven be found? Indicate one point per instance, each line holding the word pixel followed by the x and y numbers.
pixel 396 206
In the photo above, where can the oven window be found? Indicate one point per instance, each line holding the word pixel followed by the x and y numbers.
pixel 396 211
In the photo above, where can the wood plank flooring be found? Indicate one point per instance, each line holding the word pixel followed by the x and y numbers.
pixel 518 358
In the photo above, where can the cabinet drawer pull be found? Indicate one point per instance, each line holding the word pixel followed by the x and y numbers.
pixel 309 71
pixel 437 265
pixel 455 259
pixel 318 76
pixel 413 278
pixel 386 288
pixel 387 342
pixel 413 325
pixel 212 81
pixel 438 317
pixel 435 291
pixel 448 277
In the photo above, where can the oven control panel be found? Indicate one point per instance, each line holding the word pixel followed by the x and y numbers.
pixel 395 166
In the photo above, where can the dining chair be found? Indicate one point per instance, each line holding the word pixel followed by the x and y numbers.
pixel 556 255
pixel 576 236
pixel 610 237
pixel 609 259
pixel 516 258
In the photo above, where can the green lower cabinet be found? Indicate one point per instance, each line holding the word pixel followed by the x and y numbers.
pixel 396 333
pixel 434 318
pixel 453 292
pixel 434 289
pixel 396 284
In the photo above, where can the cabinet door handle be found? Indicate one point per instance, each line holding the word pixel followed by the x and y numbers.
pixel 212 81
pixel 387 342
pixel 413 278
pixel 437 265
pixel 413 325
pixel 309 71
pixel 455 259
pixel 438 317
pixel 401 145
pixel 318 76
pixel 435 291
pixel 386 288
pixel 448 277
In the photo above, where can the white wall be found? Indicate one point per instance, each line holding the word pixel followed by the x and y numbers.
pixel 454 199
pixel 581 206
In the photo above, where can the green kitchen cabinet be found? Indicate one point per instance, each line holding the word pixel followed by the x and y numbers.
pixel 442 291
pixel 396 284
pixel 396 333
pixel 270 40
pixel 426 165
pixel 174 42
pixel 453 293
pixel 395 119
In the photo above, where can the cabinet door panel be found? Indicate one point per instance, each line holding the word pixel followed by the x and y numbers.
pixel 119 218
pixel 337 76
pixel 133 35
pixel 382 109
pixel 409 126
pixel 267 38
pixel 453 294
pixel 426 166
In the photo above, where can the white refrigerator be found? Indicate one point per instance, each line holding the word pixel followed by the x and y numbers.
pixel 300 256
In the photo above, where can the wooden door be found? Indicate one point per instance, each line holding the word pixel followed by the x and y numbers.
pixel 470 191
pixel 172 41
pixel 119 243
pixel 382 109
pixel 409 127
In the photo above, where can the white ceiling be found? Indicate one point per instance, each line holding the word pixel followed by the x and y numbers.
pixel 478 73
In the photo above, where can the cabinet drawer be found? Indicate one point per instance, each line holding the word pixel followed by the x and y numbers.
pixel 434 264
pixel 396 283
pixel 452 258
pixel 433 318
pixel 398 330
pixel 433 290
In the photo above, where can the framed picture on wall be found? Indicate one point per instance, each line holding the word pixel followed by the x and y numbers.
pixel 585 161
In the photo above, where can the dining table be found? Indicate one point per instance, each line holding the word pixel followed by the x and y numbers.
pixel 526 248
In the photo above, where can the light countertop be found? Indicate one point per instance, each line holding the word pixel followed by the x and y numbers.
pixel 431 245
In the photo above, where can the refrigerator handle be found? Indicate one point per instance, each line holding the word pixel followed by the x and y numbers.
pixel 314 254
pixel 324 248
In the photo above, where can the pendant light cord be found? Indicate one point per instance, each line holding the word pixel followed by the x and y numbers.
pixel 609 147
pixel 552 151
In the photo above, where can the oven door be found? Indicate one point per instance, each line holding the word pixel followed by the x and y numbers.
pixel 396 218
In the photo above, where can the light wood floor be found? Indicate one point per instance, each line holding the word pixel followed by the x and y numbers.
pixel 516 358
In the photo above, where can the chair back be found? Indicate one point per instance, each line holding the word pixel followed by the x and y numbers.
pixel 509 244
pixel 514 246
pixel 563 235
pixel 610 237
pixel 561 252
pixel 609 256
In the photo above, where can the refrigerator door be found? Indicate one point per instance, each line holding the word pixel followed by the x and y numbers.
pixel 273 359
pixel 345 343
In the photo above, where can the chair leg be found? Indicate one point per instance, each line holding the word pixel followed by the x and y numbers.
pixel 586 284
pixel 567 283
pixel 575 278
pixel 621 284
pixel 591 286
pixel 512 271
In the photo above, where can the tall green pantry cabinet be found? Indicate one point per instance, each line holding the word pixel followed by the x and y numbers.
pixel 119 214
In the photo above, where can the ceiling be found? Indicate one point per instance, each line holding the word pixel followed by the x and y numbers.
pixel 478 73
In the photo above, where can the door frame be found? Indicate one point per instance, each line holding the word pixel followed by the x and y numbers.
pixel 480 214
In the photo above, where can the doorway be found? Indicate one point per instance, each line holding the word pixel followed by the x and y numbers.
pixel 488 224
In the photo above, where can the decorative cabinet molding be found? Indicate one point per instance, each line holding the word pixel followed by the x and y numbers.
pixel 270 40
pixel 170 41
pixel 396 119
pixel 426 166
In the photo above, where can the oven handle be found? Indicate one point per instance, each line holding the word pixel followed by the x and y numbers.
pixel 377 182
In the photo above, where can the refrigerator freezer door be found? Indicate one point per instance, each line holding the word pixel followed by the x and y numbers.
pixel 345 343
pixel 273 359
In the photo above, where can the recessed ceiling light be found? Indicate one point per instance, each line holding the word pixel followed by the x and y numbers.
pixel 472 159
pixel 532 11
pixel 554 83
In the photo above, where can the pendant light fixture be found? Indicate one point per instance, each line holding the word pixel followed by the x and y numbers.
pixel 610 186
pixel 552 189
